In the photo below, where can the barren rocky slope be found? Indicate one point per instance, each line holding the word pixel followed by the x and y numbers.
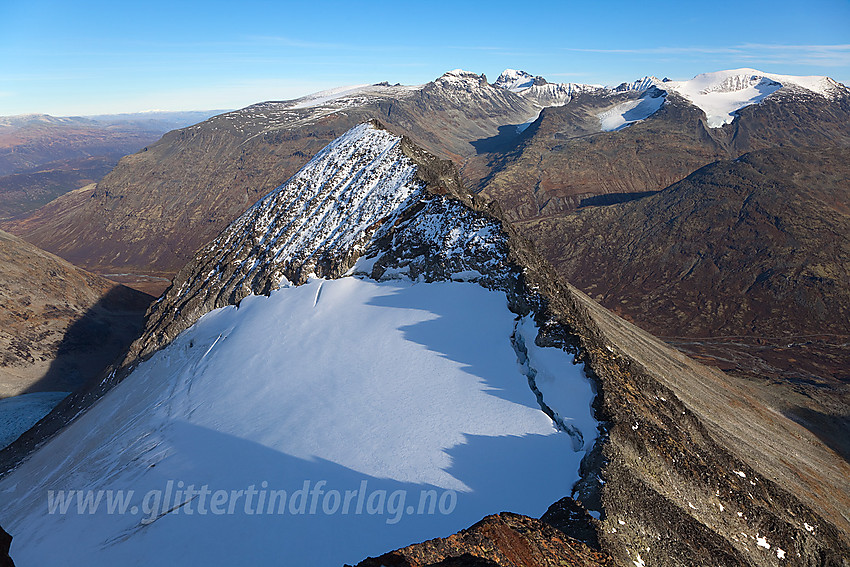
pixel 506 540
pixel 59 325
pixel 692 468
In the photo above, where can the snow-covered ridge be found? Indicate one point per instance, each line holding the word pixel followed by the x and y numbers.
pixel 328 210
pixel 460 79
pixel 539 90
pixel 418 382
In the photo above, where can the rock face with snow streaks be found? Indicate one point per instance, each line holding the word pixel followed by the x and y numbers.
pixel 317 223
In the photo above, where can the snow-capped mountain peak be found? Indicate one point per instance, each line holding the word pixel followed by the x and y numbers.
pixel 514 80
pixel 539 90
pixel 460 78
pixel 640 85
pixel 721 94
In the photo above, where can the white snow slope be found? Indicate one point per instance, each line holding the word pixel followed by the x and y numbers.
pixel 353 396
pixel 629 112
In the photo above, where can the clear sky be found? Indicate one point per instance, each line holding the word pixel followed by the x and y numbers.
pixel 91 57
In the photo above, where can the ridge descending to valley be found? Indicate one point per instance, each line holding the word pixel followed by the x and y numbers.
pixel 688 467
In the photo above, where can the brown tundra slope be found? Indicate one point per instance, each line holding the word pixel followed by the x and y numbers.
pixel 59 325
pixel 744 264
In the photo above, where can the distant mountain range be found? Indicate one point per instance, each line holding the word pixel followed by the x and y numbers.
pixel 42 156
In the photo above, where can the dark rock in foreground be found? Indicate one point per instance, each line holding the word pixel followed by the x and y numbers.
pixel 505 540
pixel 5 543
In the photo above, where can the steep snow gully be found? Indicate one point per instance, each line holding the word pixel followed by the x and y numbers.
pixel 401 401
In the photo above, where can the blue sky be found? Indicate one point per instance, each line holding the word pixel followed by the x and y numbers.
pixel 91 57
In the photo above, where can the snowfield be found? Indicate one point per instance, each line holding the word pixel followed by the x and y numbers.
pixel 721 94
pixel 629 112
pixel 19 413
pixel 402 386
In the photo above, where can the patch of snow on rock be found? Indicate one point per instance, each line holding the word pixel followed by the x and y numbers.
pixel 629 112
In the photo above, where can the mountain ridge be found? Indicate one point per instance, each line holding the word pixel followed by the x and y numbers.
pixel 682 477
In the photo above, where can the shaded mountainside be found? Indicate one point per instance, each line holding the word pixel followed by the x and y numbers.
pixel 158 206
pixel 693 466
pixel 59 325
pixel 563 159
